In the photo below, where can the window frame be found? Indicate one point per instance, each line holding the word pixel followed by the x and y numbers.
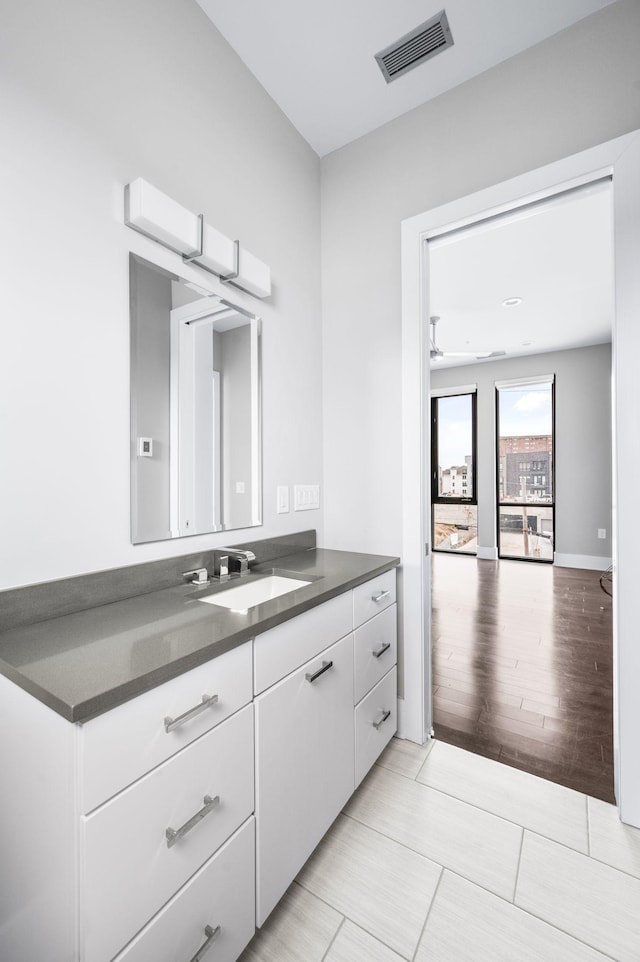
pixel 542 379
pixel 436 498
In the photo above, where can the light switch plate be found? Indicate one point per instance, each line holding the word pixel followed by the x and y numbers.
pixel 282 499
pixel 145 447
pixel 306 497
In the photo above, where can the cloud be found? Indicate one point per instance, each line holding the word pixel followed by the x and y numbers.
pixel 532 401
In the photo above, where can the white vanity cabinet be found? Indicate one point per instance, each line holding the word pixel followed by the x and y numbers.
pixel 142 844
pixel 125 826
pixel 375 656
pixel 131 866
pixel 304 765
pixel 165 828
pixel 320 725
pixel 116 748
pixel 213 914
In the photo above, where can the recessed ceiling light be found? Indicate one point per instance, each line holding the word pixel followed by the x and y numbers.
pixel 512 301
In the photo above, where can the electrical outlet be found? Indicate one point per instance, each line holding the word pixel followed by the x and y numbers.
pixel 602 532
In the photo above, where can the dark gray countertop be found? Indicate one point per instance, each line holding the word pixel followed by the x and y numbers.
pixel 85 663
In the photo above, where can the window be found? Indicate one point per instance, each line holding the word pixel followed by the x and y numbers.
pixel 453 459
pixel 526 510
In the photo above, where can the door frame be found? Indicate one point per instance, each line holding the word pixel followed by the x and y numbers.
pixel 620 160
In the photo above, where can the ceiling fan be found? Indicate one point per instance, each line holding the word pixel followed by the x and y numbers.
pixel 436 353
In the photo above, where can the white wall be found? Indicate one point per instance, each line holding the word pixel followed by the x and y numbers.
pixel 582 441
pixel 575 90
pixel 92 95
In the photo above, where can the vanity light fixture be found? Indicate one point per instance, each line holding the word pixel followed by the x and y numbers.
pixel 154 214
pixel 254 276
pixel 217 254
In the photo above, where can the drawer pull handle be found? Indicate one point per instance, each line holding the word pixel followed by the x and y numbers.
pixel 381 650
pixel 380 596
pixel 174 834
pixel 210 934
pixel 311 676
pixel 208 701
pixel 381 721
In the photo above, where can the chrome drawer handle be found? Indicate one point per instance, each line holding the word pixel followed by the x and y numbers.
pixel 210 934
pixel 207 702
pixel 380 596
pixel 311 676
pixel 381 721
pixel 381 650
pixel 174 834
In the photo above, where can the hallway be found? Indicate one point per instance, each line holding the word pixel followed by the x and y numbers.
pixel 522 657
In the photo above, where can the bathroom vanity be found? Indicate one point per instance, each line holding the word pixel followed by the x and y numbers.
pixel 170 763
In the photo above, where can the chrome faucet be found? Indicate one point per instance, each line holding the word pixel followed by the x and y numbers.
pixel 220 566
pixel 239 555
pixel 197 577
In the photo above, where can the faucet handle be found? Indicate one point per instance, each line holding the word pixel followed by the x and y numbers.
pixel 221 567
pixel 198 577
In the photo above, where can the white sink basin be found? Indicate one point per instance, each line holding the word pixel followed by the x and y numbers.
pixel 254 593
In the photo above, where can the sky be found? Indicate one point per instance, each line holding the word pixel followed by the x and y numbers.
pixel 454 429
pixel 526 410
pixel 523 410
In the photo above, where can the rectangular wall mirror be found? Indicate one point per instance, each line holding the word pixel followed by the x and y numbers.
pixel 195 409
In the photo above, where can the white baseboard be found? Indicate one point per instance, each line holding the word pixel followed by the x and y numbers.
pixel 487 554
pixel 590 561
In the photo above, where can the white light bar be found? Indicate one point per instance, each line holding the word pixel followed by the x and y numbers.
pixel 152 213
pixel 157 216
pixel 253 275
pixel 218 253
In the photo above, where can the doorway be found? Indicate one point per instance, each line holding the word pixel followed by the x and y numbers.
pixel 516 648
pixel 621 160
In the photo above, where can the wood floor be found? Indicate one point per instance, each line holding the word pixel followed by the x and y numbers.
pixel 523 667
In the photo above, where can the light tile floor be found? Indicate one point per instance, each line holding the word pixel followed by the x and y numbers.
pixel 444 856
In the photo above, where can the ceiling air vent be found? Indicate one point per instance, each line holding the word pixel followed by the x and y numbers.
pixel 411 50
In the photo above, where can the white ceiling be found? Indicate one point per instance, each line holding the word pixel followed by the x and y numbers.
pixel 317 62
pixel 558 258
pixel 317 59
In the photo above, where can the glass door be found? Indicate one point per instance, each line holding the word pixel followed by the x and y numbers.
pixel 525 466
pixel 453 461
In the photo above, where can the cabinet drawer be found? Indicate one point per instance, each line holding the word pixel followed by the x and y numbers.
pixel 118 747
pixel 128 869
pixel 281 650
pixel 370 740
pixel 304 767
pixel 221 894
pixel 375 650
pixel 373 596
